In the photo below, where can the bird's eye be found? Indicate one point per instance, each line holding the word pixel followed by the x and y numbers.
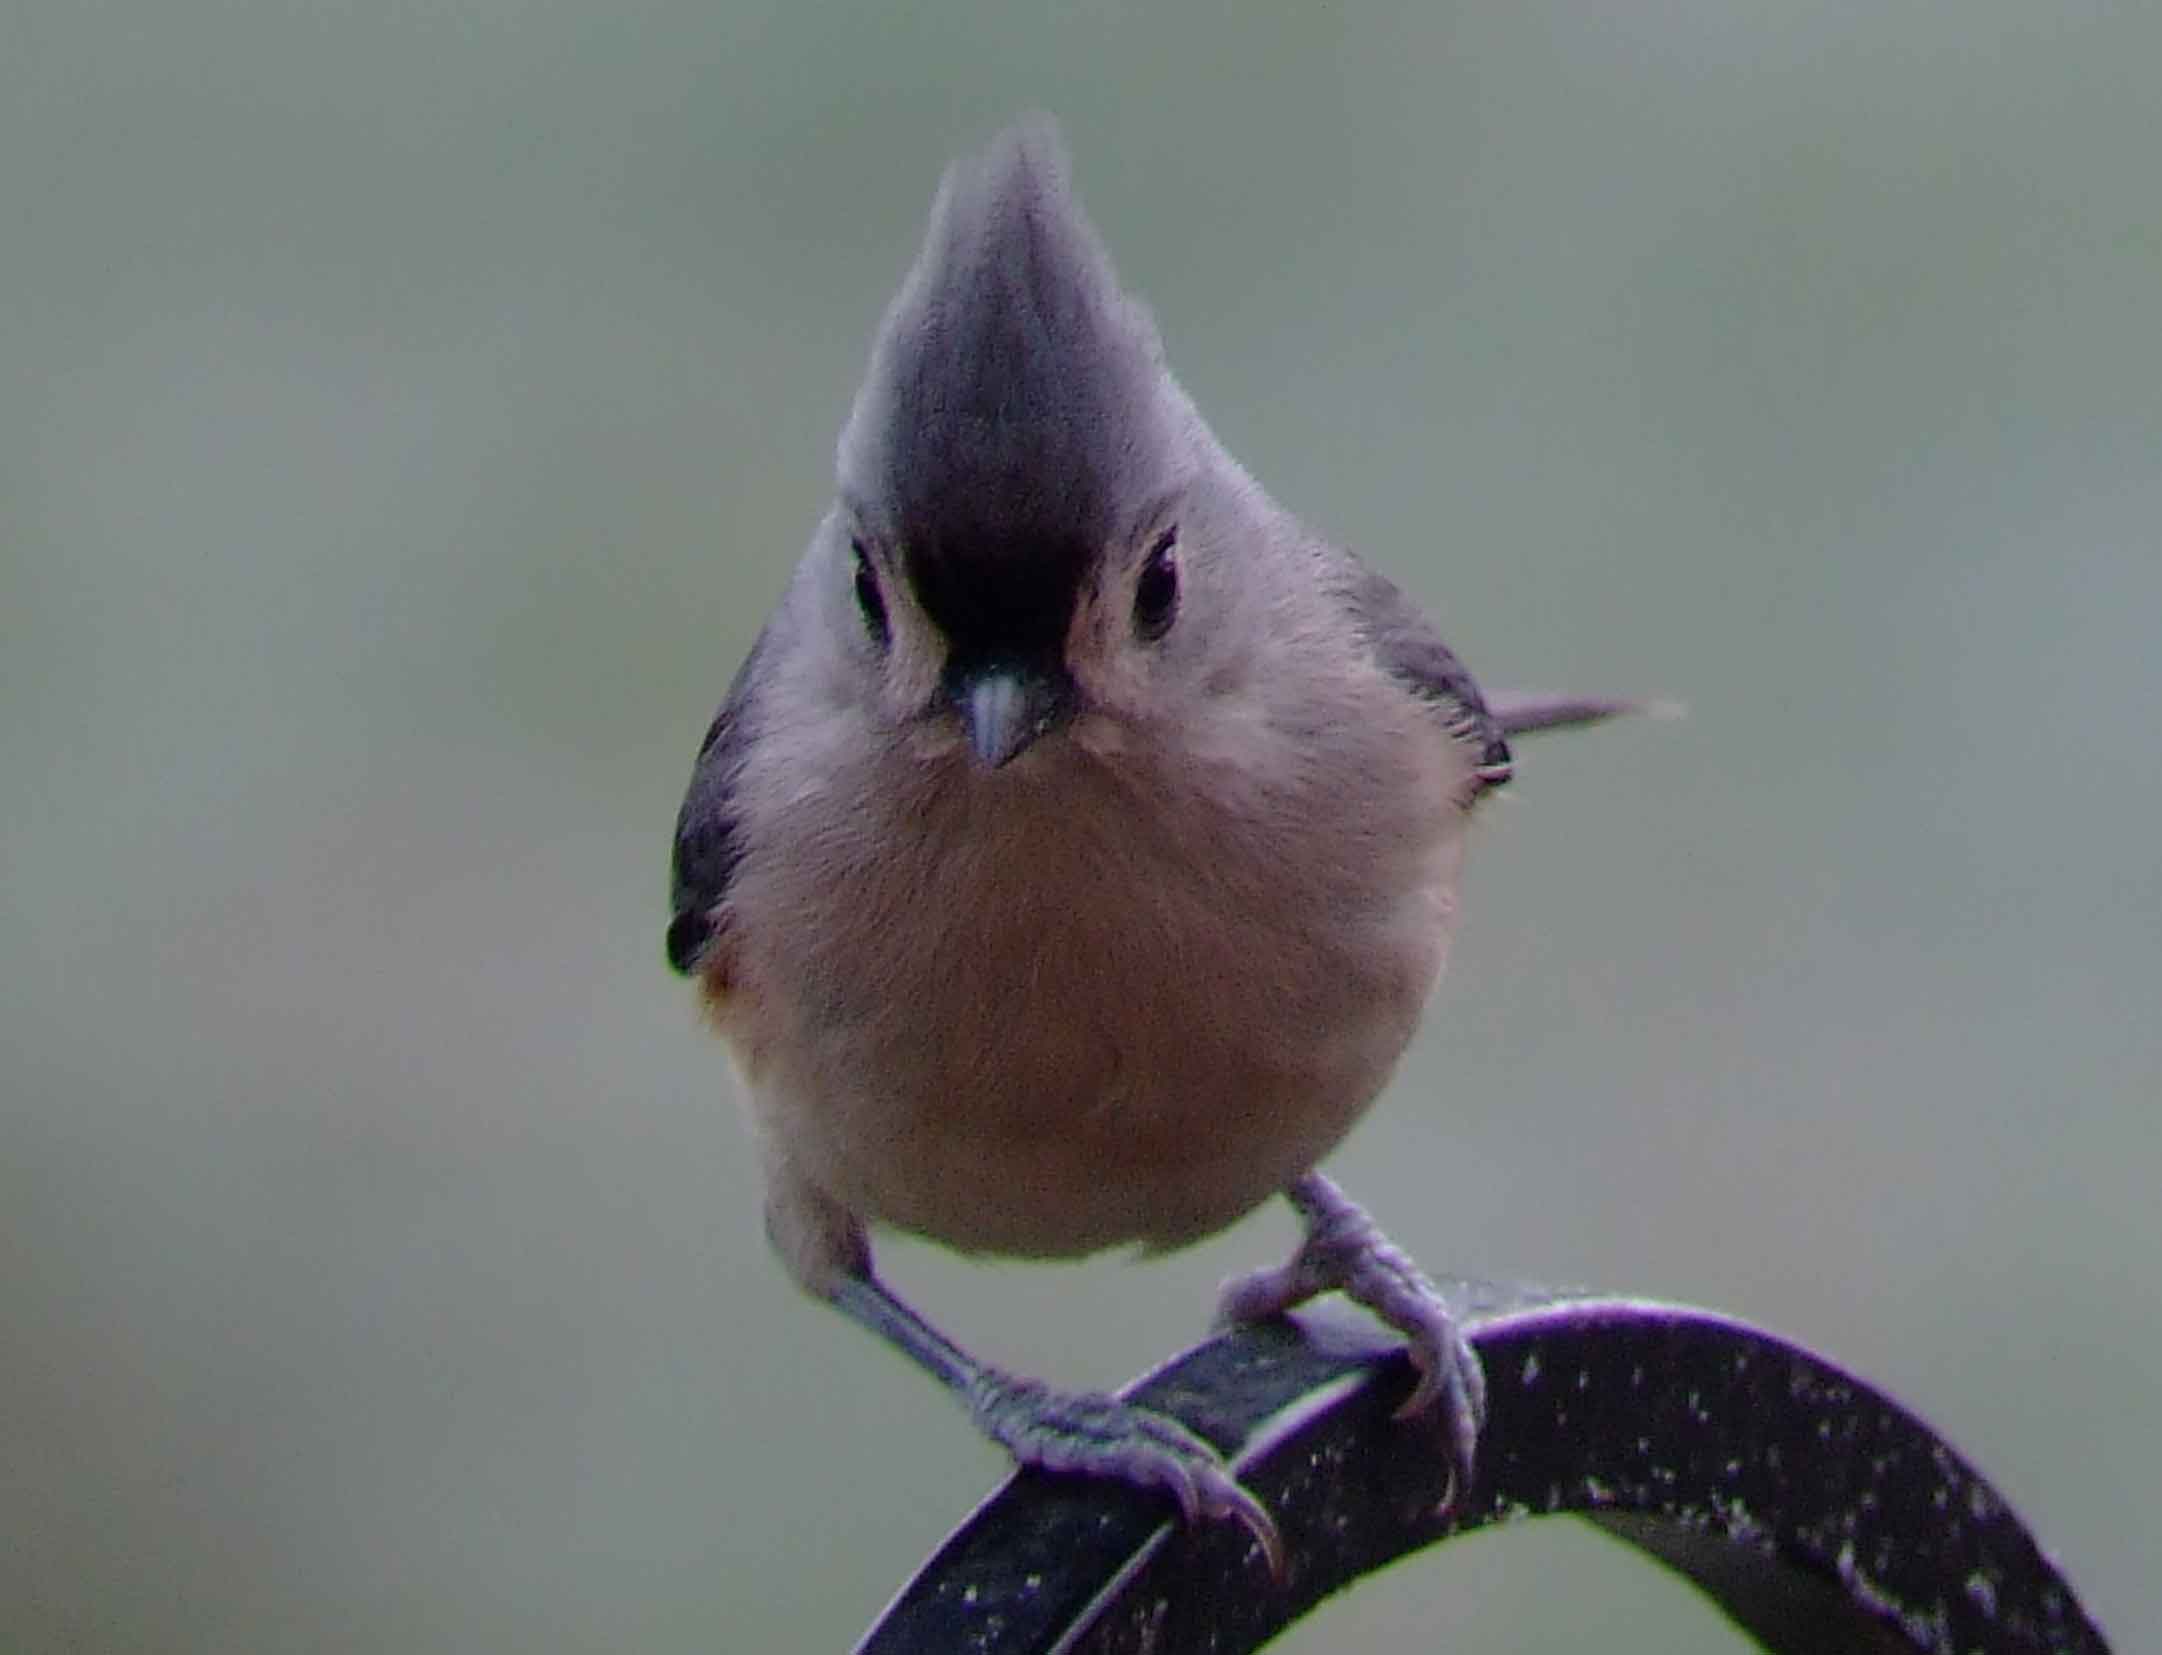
pixel 869 600
pixel 1156 593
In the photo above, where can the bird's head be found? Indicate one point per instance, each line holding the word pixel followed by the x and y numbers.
pixel 1023 535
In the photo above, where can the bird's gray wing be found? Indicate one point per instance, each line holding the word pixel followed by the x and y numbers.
pixel 708 840
pixel 1410 650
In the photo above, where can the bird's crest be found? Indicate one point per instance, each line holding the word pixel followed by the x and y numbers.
pixel 1015 395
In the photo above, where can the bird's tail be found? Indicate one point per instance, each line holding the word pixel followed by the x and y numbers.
pixel 1520 711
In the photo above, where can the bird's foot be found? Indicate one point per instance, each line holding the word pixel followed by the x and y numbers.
pixel 1345 1251
pixel 1100 1436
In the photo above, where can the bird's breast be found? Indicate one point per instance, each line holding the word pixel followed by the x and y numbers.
pixel 1066 1007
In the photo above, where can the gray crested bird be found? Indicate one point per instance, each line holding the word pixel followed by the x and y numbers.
pixel 1073 854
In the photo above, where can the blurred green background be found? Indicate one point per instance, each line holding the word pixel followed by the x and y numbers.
pixel 407 413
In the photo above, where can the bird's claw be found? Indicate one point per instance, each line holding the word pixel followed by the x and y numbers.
pixel 1100 1436
pixel 1451 1384
pixel 1344 1250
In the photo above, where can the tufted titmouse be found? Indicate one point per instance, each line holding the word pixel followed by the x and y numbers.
pixel 1074 852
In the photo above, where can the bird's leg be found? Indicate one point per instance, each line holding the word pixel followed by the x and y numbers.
pixel 1345 1250
pixel 1094 1435
pixel 827 1250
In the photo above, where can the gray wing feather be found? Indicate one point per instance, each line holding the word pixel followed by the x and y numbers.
pixel 708 839
pixel 1411 650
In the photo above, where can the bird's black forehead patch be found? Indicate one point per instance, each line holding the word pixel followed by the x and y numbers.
pixel 995 600
pixel 1006 460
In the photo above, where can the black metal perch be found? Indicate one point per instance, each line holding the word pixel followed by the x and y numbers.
pixel 1810 1507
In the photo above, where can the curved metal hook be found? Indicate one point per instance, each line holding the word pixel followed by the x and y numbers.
pixel 1814 1510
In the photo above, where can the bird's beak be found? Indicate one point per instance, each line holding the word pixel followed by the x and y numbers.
pixel 1005 708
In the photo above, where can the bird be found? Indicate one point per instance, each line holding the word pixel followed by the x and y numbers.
pixel 1072 856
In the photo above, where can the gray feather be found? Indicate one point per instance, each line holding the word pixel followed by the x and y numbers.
pixel 1411 650
pixel 1520 711
pixel 1014 389
pixel 708 845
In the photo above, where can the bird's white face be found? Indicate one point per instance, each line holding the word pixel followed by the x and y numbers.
pixel 1020 661
pixel 1021 560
